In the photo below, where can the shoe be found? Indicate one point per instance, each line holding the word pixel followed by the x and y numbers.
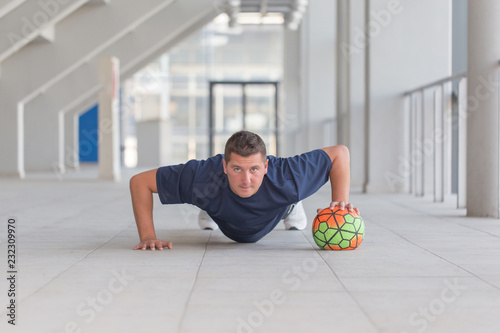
pixel 205 221
pixel 297 219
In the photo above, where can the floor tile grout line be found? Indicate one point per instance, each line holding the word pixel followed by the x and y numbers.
pixel 181 321
pixel 341 283
pixel 69 217
pixel 472 228
pixel 437 255
pixel 67 268
pixel 116 198
pixel 447 219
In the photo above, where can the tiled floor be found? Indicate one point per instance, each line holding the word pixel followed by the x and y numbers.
pixel 423 267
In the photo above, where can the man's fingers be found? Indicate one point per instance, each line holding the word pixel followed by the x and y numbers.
pixel 153 245
pixel 141 246
pixel 333 204
pixel 353 209
pixel 342 205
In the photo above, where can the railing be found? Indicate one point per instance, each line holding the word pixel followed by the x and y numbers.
pixel 430 131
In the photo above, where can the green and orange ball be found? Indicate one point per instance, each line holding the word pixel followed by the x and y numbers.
pixel 335 229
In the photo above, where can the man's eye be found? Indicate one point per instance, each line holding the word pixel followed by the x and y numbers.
pixel 237 169
pixel 254 169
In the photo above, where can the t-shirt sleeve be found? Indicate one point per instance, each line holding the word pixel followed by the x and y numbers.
pixel 175 182
pixel 310 171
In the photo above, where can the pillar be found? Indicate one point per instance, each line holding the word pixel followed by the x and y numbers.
pixel 483 146
pixel 11 144
pixel 343 73
pixel 356 93
pixel 289 118
pixel 109 127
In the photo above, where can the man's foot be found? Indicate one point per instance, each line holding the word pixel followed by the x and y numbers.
pixel 297 219
pixel 205 221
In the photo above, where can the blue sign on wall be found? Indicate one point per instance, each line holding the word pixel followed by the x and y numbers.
pixel 88 135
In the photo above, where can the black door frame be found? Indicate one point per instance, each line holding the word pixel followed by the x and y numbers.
pixel 243 84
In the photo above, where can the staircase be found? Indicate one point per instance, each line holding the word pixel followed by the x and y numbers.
pixel 49 52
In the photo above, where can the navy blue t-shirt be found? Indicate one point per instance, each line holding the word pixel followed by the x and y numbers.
pixel 203 183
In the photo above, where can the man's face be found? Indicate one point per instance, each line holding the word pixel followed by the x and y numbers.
pixel 245 174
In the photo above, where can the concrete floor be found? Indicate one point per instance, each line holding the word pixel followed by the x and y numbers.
pixel 423 267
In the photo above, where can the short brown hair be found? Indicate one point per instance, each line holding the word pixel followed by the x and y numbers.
pixel 244 143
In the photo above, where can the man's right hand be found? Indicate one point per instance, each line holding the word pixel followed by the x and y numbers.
pixel 153 244
pixel 142 187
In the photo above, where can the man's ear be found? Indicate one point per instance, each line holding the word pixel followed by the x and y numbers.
pixel 224 165
pixel 267 160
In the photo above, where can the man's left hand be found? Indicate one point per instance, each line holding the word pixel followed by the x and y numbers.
pixel 342 205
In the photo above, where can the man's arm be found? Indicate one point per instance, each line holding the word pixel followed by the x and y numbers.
pixel 142 187
pixel 340 177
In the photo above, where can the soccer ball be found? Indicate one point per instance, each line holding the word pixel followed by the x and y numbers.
pixel 335 229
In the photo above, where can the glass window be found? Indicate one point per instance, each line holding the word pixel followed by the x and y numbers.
pixel 175 87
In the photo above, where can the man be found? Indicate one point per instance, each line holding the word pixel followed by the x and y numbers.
pixel 243 192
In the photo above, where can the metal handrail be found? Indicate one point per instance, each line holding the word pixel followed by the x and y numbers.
pixel 440 152
pixel 438 82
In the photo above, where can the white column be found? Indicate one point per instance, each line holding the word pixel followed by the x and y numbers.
pixel 357 78
pixel 289 113
pixel 414 59
pixel 70 154
pixel 343 73
pixel 406 171
pixel 483 108
pixel 438 145
pixel 462 144
pixel 418 146
pixel 447 139
pixel 109 127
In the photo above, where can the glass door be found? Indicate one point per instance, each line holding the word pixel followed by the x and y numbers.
pixel 236 106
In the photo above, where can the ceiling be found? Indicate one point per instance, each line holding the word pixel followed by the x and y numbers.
pixel 291 10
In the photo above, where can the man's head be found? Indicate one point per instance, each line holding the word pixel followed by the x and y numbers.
pixel 245 163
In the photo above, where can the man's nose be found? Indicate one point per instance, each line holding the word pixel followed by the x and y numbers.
pixel 245 177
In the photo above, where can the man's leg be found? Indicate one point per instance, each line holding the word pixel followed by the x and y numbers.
pixel 205 221
pixel 295 218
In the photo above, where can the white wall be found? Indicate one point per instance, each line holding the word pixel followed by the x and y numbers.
pixel 309 106
pixel 409 47
pixel 319 48
pixel 357 81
